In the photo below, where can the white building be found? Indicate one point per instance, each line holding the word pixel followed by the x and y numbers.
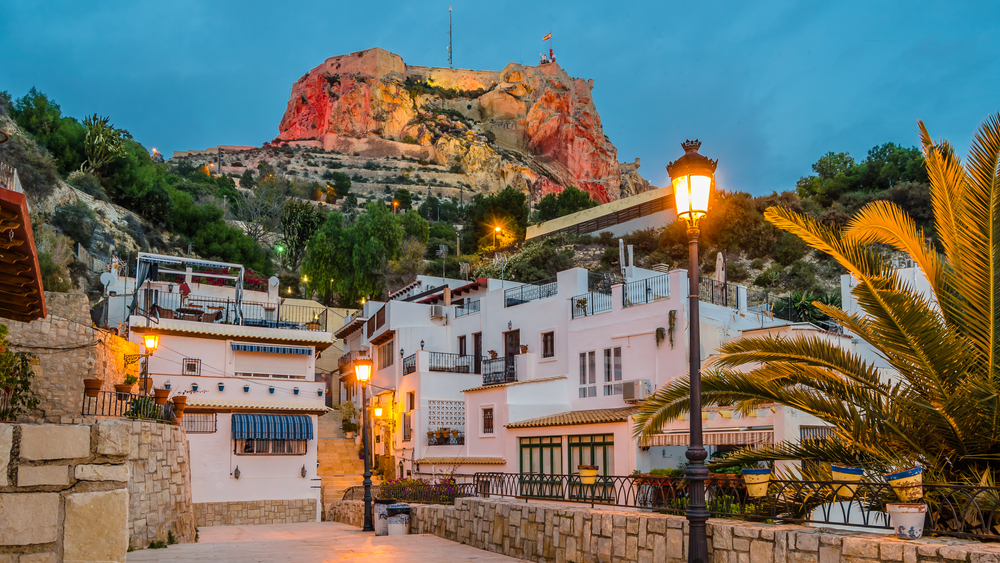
pixel 542 377
pixel 246 361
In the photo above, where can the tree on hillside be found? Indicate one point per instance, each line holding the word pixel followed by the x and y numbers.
pixel 102 143
pixel 341 184
pixel 507 209
pixel 406 267
pixel 940 407
pixel 563 203
pixel 414 226
pixel 403 197
pixel 62 136
pixel 258 209
pixel 299 221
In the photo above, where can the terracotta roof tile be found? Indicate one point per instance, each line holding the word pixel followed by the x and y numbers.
pixel 596 416
pixel 499 385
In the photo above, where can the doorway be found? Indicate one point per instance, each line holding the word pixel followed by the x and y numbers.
pixel 477 347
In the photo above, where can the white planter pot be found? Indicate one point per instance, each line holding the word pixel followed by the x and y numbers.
pixel 907 519
pixel 350 435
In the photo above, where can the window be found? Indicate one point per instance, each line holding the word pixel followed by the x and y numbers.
pixel 385 355
pixel 411 401
pixel 542 455
pixel 612 371
pixel 199 423
pixel 596 450
pixel 270 447
pixel 548 344
pixel 269 375
pixel 461 345
pixel 407 427
pixel 488 420
pixel 191 366
pixel 588 374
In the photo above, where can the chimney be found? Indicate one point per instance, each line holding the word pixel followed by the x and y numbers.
pixel 447 296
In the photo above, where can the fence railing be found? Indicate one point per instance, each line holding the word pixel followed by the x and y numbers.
pixel 126 405
pixel 9 179
pixel 467 309
pixel 718 293
pixel 499 370
pixel 455 363
pixel 953 510
pixel 530 292
pixel 766 303
pixel 200 423
pixel 590 304
pixel 217 310
pixel 601 283
pixel 448 438
pixel 409 364
pixel 414 492
pixel 644 291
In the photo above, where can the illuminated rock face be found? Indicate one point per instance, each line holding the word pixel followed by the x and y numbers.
pixel 533 128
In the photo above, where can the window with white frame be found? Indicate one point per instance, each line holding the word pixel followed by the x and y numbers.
pixel 612 371
pixel 255 446
pixel 548 344
pixel 191 366
pixel 385 355
pixel 588 374
pixel 488 421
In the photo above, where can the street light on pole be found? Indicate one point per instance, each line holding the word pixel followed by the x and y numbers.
pixel 692 176
pixel 496 231
pixel 363 373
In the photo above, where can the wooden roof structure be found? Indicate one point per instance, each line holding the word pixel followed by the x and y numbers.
pixel 21 294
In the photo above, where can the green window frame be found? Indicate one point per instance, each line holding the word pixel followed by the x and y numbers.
pixel 592 449
pixel 540 459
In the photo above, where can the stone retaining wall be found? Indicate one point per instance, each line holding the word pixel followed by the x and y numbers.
pixel 159 489
pixel 63 495
pixel 550 533
pixel 238 513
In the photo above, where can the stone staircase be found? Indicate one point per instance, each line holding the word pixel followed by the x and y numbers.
pixel 339 466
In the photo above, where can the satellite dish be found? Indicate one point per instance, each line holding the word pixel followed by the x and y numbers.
pixel 273 281
pixel 107 278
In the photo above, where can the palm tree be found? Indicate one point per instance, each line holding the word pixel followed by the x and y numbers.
pixel 939 404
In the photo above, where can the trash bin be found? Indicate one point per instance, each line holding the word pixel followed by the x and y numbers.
pixel 381 515
pixel 399 519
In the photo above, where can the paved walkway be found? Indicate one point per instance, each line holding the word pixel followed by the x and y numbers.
pixel 313 542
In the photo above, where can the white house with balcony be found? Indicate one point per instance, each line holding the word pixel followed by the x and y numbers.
pixel 487 375
pixel 246 360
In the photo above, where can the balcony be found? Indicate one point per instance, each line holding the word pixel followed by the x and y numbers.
pixel 645 291
pixel 346 362
pixel 442 362
pixel 500 370
pixel 718 293
pixel 126 405
pixel 467 309
pixel 445 437
pixel 589 304
pixel 530 292
pixel 205 309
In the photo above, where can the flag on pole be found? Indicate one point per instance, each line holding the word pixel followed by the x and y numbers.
pixel 547 36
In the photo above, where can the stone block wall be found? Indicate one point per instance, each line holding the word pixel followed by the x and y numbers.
pixel 63 495
pixel 159 489
pixel 237 513
pixel 68 349
pixel 550 533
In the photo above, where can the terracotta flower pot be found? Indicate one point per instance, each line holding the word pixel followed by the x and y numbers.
pixel 123 391
pixel 92 387
pixel 160 396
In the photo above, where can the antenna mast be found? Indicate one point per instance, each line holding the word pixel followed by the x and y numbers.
pixel 450 64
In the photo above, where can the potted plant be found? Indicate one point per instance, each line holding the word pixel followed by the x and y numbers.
pixel 907 519
pixel 347 414
pixel 125 389
pixel 271 389
pixel 848 474
pixel 92 387
pixel 581 304
pixel 312 325
pixel 319 392
pixel 180 404
pixel 430 436
pixel 441 433
pixel 160 396
pixel 246 387
pixel 454 433
pixel 167 385
pixel 295 390
pixel 361 452
pixel 756 479
pixel 493 354
pixel 907 483
pixel 194 386
pixel 524 348
pixel 222 386
pixel 588 474
pixel 349 429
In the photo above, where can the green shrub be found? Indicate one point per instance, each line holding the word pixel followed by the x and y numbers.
pixel 409 140
pixel 769 277
pixel 788 249
pixel 54 277
pixel 77 221
pixel 736 272
pixel 802 275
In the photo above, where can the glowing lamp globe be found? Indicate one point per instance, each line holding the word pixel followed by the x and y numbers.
pixel 151 341
pixel 692 177
pixel 363 369
pixel 378 411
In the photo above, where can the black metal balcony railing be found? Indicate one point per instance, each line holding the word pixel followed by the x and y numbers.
pixel 530 292
pixel 455 363
pixel 590 304
pixel 200 423
pixel 718 293
pixel 500 370
pixel 409 364
pixel 467 309
pixel 126 405
pixel 601 283
pixel 217 310
pixel 649 290
pixel 448 438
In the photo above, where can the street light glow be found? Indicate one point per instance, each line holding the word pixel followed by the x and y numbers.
pixel 151 341
pixel 363 369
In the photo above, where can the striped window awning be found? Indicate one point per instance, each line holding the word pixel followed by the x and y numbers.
pixel 742 438
pixel 272 427
pixel 270 349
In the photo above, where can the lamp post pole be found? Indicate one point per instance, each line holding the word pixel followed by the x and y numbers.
pixel 368 527
pixel 692 177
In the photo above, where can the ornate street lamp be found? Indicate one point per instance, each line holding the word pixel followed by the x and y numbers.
pixel 151 341
pixel 363 373
pixel 693 177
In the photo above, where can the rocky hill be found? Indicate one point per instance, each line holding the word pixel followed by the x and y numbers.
pixel 531 127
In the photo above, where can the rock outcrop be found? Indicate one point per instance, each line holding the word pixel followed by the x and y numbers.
pixel 533 128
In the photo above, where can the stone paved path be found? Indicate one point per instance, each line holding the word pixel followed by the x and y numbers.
pixel 313 542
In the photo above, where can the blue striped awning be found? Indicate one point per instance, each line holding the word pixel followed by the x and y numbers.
pixel 272 427
pixel 269 349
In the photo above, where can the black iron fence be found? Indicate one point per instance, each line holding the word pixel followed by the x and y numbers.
pixel 590 304
pixel 455 363
pixel 217 310
pixel 467 308
pixel 601 283
pixel 530 292
pixel 718 293
pixel 126 405
pixel 649 290
pixel 763 302
pixel 409 364
pixel 200 423
pixel 413 491
pixel 500 370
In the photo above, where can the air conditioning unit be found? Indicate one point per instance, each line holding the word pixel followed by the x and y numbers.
pixel 437 311
pixel 636 390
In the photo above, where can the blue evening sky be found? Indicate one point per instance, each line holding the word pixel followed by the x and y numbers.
pixel 767 86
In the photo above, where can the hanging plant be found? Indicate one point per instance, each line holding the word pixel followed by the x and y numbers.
pixel 16 376
pixel 661 334
pixel 672 326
